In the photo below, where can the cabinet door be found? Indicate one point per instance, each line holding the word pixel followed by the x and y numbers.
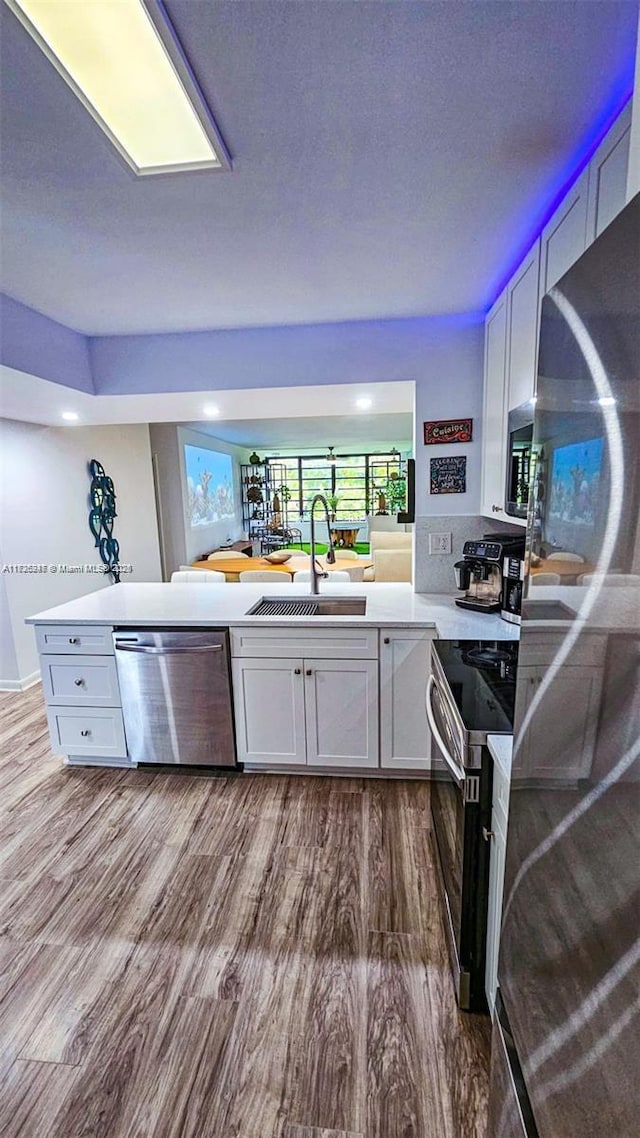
pixel 553 750
pixel 341 708
pixel 522 334
pixel 269 711
pixel 493 419
pixel 564 238
pixel 405 739
pixel 608 176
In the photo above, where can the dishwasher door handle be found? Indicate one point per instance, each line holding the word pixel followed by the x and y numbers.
pixel 153 651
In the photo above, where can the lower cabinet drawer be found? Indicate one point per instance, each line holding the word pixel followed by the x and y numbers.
pixel 90 731
pixel 313 644
pixel 74 639
pixel 82 680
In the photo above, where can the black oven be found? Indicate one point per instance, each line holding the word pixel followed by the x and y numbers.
pixel 470 695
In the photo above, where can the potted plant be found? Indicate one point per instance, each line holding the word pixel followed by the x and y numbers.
pixel 333 500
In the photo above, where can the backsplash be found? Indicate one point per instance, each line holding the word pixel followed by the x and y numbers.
pixel 434 573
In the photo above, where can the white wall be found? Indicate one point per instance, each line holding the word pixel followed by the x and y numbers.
pixel 8 661
pixel 182 544
pixel 202 539
pixel 44 508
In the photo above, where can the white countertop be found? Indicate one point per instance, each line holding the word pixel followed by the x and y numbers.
pixel 501 748
pixel 388 605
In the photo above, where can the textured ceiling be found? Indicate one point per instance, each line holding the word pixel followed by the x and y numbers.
pixel 390 159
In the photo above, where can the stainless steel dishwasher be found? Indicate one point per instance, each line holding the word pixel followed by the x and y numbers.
pixel 176 696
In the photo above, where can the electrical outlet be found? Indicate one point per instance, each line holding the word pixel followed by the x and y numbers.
pixel 439 543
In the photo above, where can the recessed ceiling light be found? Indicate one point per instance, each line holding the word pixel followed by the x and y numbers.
pixel 70 416
pixel 210 410
pixel 364 402
pixel 123 61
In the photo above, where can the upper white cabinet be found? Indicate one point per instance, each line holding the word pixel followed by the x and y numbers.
pixel 608 176
pixel 512 326
pixel 522 329
pixel 564 237
pixel 493 414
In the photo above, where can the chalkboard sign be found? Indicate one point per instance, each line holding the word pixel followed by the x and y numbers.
pixel 449 475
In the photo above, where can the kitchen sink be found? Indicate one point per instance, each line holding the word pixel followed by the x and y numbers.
pixel 546 610
pixel 309 605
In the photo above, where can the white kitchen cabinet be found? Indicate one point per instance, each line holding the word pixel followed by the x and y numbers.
pixel 405 739
pixel 341 712
pixel 80 686
pixel 494 410
pixel 608 176
pixel 306 711
pixel 269 710
pixel 561 755
pixel 564 237
pixel 523 309
pixel 90 681
pixel 93 733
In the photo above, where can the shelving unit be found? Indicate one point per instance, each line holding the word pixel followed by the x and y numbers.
pixel 264 505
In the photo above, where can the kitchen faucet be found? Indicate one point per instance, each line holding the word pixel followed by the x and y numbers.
pixel 316 571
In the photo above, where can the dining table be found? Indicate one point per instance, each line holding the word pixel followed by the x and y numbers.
pixel 568 570
pixel 232 567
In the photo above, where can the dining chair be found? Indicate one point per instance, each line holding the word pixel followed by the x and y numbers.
pixel 610 580
pixel 564 556
pixel 227 555
pixel 346 555
pixel 546 579
pixel 270 576
pixel 197 577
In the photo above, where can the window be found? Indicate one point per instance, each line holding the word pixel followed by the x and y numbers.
pixel 356 480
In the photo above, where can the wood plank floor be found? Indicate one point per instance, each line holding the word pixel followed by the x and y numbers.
pixel 255 957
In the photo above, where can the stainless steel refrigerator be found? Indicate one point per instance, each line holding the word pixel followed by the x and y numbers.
pixel 566 1044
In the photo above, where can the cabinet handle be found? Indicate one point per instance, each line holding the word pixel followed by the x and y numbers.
pixel 297 671
pixel 309 672
pixel 487 834
pixel 74 640
pixel 387 640
pixel 85 733
pixel 78 683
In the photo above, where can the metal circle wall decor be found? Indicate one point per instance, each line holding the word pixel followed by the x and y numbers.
pixel 102 497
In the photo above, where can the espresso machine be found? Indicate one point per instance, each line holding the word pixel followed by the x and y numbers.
pixel 486 575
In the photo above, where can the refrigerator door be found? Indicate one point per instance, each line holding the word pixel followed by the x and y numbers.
pixel 569 967
pixel 509 1114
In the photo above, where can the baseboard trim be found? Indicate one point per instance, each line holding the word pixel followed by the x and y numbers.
pixel 20 685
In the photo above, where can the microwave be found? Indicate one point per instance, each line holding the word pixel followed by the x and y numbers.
pixel 519 460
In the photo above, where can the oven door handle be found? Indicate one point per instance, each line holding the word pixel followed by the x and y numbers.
pixel 456 770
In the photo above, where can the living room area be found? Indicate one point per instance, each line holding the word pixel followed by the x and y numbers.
pixel 234 496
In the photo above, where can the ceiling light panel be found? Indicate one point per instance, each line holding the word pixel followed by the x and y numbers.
pixel 123 61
